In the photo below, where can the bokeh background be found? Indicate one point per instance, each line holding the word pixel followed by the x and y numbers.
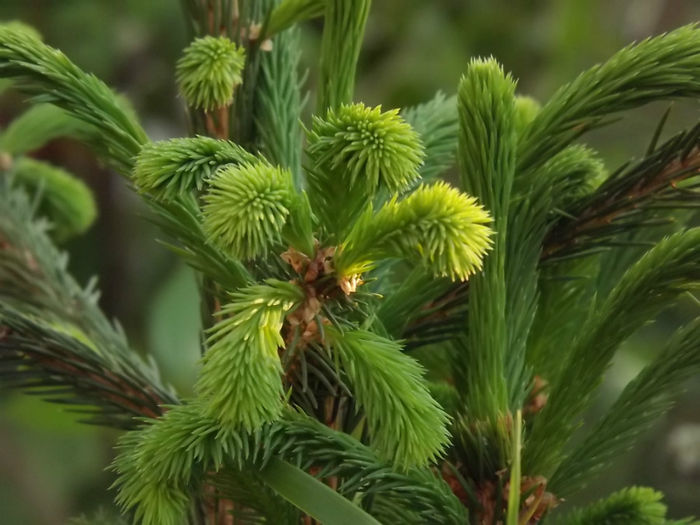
pixel 51 467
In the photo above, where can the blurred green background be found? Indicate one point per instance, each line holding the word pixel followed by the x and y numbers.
pixel 51 467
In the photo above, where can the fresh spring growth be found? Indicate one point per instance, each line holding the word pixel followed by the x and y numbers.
pixel 313 397
pixel 357 145
pixel 436 226
pixel 240 378
pixel 355 152
pixel 247 207
pixel 580 168
pixel 406 425
pixel 209 71
pixel 171 168
pixel 526 109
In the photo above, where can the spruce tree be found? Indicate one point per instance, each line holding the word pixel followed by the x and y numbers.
pixel 332 256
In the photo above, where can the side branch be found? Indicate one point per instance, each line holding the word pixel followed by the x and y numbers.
pixel 617 206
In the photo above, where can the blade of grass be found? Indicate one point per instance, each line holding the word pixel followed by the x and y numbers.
pixel 312 496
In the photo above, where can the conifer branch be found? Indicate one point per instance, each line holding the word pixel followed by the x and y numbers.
pixel 64 199
pixel 209 71
pixel 61 365
pixel 437 124
pixel 343 30
pixel 55 339
pixel 254 502
pixel 47 75
pixel 406 425
pixel 487 144
pixel 651 284
pixel 639 505
pixel 247 207
pixel 436 226
pixel 279 101
pixel 659 68
pixel 643 400
pixel 173 168
pixel 34 280
pixel 401 308
pixel 181 221
pixel 290 12
pixel 358 152
pixel 240 377
pixel 157 463
pixel 37 126
pixel 571 172
pixel 665 178
pixel 565 294
pixel 526 109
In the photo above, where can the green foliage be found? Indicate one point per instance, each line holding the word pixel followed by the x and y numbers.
pixel 279 102
pixel 159 458
pixel 628 200
pixel 48 76
pixel 644 399
pixel 60 363
pixel 209 71
pixel 64 199
pixel 247 207
pixel 156 462
pixel 21 27
pixel 54 339
pixel 526 109
pixel 631 505
pixel 436 123
pixel 663 67
pixel 357 145
pixel 240 375
pixel 181 221
pixel 37 126
pixel 487 145
pixel 289 12
pixel 175 167
pixel 343 29
pixel 406 425
pixel 307 404
pixel 436 226
pixel 575 171
pixel 651 284
pixel 313 497
pixel 355 152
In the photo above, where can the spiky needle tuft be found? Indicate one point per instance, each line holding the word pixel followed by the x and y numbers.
pixel 247 207
pixel 171 168
pixel 366 146
pixel 406 424
pixel 240 378
pixel 437 226
pixel 209 71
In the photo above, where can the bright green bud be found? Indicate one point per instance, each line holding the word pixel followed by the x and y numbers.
pixel 65 200
pixel 21 27
pixel 437 226
pixel 175 167
pixel 359 145
pixel 573 172
pixel 208 72
pixel 526 109
pixel 247 207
